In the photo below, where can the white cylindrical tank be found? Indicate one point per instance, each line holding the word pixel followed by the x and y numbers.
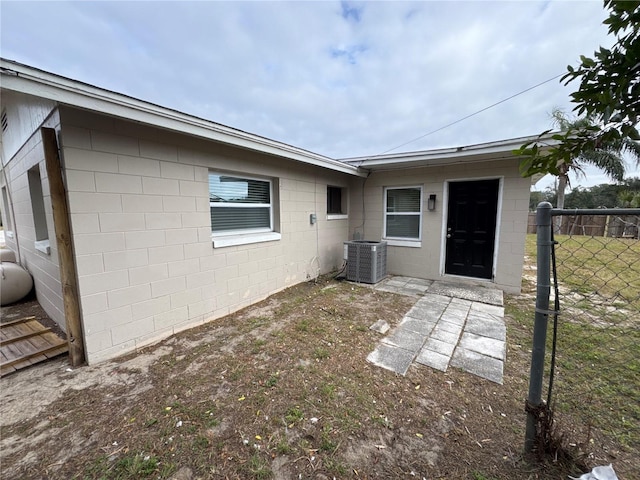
pixel 15 283
pixel 7 255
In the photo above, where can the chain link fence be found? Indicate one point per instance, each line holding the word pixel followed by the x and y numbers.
pixel 585 375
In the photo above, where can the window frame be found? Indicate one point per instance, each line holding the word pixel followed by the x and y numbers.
pixel 7 212
pixel 343 204
pixel 403 241
pixel 244 236
pixel 38 210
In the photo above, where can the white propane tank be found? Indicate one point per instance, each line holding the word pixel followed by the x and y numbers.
pixel 15 283
pixel 7 255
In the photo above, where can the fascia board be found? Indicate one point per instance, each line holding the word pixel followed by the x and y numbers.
pixel 448 156
pixel 76 94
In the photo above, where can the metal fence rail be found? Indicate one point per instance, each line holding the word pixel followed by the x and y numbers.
pixel 586 344
pixel 601 225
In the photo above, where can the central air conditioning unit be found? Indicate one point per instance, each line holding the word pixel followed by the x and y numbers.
pixel 366 261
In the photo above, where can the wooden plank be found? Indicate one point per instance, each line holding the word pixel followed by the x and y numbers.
pixel 27 357
pixel 26 342
pixel 24 336
pixel 57 352
pixel 12 351
pixel 64 242
pixel 7 331
pixel 52 338
pixel 6 370
pixel 15 358
pixel 3 357
pixel 20 329
pixel 44 342
pixel 14 322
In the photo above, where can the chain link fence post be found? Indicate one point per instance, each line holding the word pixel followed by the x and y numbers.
pixel 534 399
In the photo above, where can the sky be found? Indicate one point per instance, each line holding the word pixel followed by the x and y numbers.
pixel 341 79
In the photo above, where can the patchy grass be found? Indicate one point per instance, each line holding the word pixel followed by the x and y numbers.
pixel 282 390
pixel 596 394
pixel 608 267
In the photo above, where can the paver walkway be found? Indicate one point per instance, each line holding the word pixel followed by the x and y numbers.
pixel 450 325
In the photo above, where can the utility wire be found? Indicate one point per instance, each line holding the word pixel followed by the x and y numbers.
pixel 471 115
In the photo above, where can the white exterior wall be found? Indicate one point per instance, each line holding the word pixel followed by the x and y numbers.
pixel 139 206
pixel 428 260
pixel 26 114
pixel 42 266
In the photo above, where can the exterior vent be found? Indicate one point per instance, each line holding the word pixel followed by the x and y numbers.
pixel 366 261
pixel 4 120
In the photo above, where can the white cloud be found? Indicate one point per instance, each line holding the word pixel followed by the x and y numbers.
pixel 340 79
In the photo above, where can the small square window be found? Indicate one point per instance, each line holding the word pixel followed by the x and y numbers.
pixel 403 213
pixel 335 201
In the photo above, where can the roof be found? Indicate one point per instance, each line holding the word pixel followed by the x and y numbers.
pixel 482 152
pixel 65 91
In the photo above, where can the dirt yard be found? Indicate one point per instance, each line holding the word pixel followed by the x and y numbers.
pixel 279 390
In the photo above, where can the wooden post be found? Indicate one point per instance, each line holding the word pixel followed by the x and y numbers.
pixel 64 243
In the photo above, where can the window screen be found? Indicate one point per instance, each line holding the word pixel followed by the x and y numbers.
pixel 403 212
pixel 239 204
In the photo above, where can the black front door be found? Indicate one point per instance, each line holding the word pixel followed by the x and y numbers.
pixel 471 228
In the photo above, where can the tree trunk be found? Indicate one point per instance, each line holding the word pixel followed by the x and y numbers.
pixel 562 186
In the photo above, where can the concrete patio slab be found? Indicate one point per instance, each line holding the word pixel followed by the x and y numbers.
pixel 461 302
pixel 495 310
pixel 477 293
pixel 487 328
pixel 455 315
pixel 478 364
pixel 422 327
pixel 406 339
pixel 390 289
pixel 394 282
pixel 449 324
pixel 450 327
pixel 439 346
pixel 391 358
pixel 426 311
pixel 431 298
pixel 445 336
pixel 404 285
pixel 484 345
pixel 433 359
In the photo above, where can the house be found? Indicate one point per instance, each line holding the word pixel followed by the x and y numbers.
pixel 137 221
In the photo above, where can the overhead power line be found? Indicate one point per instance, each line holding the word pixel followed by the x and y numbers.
pixel 472 114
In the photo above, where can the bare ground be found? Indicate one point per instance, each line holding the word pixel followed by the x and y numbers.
pixel 278 390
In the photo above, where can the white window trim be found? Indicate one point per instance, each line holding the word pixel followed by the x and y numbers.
pixel 402 241
pixel 221 241
pixel 229 238
pixel 337 216
pixel 43 246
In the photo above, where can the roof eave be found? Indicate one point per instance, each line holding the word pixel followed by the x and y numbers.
pixel 484 152
pixel 24 79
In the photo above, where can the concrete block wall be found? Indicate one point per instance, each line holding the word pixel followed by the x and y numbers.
pixel 427 261
pixel 42 266
pixel 139 204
